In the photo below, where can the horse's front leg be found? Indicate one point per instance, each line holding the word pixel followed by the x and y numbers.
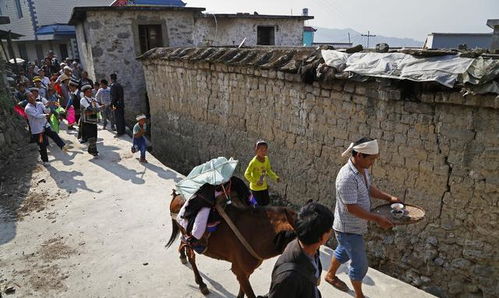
pixel 199 280
pixel 244 284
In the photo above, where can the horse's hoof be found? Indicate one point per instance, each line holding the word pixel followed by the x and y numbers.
pixel 204 290
pixel 183 260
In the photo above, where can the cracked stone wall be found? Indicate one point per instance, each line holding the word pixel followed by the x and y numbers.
pixel 108 43
pixel 439 150
pixel 13 132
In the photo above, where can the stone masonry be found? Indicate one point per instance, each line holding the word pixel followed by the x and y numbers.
pixel 109 43
pixel 439 150
pixel 12 126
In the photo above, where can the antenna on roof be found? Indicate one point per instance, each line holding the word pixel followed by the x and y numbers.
pixel 242 43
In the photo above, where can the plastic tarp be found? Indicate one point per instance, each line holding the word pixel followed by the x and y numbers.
pixel 215 172
pixel 442 69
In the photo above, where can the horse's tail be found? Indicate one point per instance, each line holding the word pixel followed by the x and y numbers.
pixel 175 232
pixel 175 206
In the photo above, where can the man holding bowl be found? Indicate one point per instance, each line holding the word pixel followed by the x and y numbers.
pixel 353 211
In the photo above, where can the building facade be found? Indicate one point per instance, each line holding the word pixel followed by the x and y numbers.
pixel 43 24
pixel 455 40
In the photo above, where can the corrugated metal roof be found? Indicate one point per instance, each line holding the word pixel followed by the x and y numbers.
pixel 56 29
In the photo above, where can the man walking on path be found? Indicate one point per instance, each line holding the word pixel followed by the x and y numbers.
pixel 118 104
pixel 37 116
pixel 297 272
pixel 352 212
pixel 90 109
pixel 103 97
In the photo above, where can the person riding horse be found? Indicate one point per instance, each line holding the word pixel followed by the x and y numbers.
pixel 197 212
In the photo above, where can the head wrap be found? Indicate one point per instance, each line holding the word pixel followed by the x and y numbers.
pixel 141 116
pixel 86 87
pixel 370 147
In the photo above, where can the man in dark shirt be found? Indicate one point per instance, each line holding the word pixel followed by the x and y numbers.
pixel 297 271
pixel 118 105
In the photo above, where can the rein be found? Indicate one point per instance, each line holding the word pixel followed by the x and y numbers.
pixel 234 229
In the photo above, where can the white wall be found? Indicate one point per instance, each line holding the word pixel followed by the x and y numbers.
pixel 231 31
pixel 59 11
pixel 17 25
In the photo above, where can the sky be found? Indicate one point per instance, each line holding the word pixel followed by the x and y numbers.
pixel 394 18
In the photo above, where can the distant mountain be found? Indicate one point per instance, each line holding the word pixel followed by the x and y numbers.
pixel 341 35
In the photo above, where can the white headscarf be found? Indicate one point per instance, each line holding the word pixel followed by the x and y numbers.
pixel 370 148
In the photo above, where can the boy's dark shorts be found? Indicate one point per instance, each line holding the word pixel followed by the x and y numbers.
pixel 261 196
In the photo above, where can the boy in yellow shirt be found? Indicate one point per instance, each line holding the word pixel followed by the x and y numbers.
pixel 256 172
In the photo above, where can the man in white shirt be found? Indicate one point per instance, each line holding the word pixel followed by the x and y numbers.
pixel 90 108
pixel 42 90
pixel 45 80
pixel 37 117
pixel 103 97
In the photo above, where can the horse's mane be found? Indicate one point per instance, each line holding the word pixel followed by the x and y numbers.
pixel 242 190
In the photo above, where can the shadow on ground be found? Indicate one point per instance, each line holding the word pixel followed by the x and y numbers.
pixel 109 161
pixel 15 180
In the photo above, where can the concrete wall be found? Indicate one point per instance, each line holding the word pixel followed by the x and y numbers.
pixel 452 41
pixel 439 150
pixel 232 31
pixel 108 43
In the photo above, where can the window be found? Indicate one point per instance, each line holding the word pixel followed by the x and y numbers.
pixel 19 9
pixel 63 48
pixel 265 35
pixel 150 36
pixel 23 53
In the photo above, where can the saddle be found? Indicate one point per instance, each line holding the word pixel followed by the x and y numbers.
pixel 200 246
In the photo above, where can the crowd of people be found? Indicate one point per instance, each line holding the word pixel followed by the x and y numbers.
pixel 50 93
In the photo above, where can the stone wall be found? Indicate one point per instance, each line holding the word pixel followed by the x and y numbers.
pixel 108 43
pixel 108 40
pixel 439 150
pixel 225 31
pixel 12 126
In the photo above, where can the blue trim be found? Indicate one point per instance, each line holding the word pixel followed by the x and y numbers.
pixel 56 29
pixel 157 2
pixel 32 13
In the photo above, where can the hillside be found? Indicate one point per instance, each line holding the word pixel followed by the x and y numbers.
pixel 341 35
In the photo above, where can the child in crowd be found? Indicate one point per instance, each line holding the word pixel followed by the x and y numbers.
pixel 256 172
pixel 139 141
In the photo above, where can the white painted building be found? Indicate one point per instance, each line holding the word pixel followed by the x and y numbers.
pixel 43 24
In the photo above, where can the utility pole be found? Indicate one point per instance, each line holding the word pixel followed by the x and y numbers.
pixel 368 35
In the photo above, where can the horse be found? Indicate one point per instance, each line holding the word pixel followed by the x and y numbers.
pixel 275 226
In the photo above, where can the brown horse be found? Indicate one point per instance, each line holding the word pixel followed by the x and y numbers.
pixel 274 226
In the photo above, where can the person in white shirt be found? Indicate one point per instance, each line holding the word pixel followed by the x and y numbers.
pixel 90 108
pixel 37 118
pixel 103 97
pixel 42 90
pixel 45 80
